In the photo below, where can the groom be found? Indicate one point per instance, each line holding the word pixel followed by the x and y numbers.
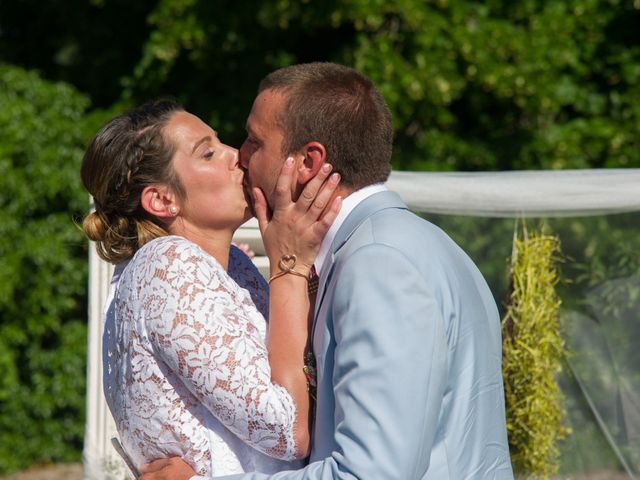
pixel 406 333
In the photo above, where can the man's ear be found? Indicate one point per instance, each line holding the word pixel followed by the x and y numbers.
pixel 159 201
pixel 314 157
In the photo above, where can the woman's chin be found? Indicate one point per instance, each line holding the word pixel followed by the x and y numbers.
pixel 248 214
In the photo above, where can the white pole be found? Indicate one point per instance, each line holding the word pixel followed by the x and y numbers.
pixel 99 458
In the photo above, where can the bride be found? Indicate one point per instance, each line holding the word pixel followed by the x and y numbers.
pixel 189 368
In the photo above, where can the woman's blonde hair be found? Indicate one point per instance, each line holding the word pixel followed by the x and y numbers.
pixel 126 155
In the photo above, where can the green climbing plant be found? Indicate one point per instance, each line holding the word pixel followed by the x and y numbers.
pixel 532 355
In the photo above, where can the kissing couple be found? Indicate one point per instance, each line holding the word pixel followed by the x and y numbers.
pixel 372 352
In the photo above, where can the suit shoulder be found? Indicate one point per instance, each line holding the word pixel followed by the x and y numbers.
pixel 427 246
pixel 404 229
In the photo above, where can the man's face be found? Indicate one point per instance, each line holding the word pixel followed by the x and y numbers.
pixel 261 153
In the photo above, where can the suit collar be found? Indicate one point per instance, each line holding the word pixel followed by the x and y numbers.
pixel 369 206
pixel 349 203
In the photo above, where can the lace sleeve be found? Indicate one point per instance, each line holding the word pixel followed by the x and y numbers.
pixel 202 328
pixel 246 274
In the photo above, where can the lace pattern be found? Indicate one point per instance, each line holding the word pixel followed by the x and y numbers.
pixel 247 276
pixel 186 366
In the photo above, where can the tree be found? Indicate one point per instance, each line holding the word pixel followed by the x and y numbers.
pixel 43 271
pixel 91 44
pixel 494 85
pixel 472 85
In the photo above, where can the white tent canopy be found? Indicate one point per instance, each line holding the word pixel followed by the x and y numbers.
pixel 503 194
pixel 546 193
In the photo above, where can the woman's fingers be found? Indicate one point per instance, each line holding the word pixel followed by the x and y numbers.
pixel 311 189
pixel 261 209
pixel 321 227
pixel 282 194
pixel 323 197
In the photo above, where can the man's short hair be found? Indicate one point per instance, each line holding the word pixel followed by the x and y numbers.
pixel 340 108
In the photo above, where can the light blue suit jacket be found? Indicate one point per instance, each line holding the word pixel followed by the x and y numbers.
pixel 408 350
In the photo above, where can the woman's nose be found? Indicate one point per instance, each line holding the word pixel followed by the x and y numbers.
pixel 231 156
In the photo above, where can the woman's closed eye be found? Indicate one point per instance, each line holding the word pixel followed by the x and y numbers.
pixel 208 153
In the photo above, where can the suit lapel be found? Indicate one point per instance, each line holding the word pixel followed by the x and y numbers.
pixel 365 209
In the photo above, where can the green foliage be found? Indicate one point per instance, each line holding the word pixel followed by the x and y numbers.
pixel 472 85
pixel 43 271
pixel 532 352
pixel 495 85
pixel 88 43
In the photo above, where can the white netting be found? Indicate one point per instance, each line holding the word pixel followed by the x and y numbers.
pixel 602 382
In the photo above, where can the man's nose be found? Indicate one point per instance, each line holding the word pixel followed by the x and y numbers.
pixel 243 157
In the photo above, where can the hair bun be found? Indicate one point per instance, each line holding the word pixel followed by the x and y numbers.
pixel 117 237
pixel 95 226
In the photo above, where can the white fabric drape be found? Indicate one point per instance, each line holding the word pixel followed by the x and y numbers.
pixel 545 193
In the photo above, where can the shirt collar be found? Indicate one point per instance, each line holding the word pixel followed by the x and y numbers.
pixel 348 204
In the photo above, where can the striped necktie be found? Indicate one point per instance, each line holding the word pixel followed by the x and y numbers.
pixel 313 281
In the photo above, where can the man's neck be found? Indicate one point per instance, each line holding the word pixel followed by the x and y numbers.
pixel 342 192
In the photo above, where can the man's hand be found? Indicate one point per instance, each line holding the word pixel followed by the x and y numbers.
pixel 173 468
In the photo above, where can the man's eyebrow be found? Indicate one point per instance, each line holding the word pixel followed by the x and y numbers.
pixel 200 142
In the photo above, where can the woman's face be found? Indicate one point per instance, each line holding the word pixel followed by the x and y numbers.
pixel 209 171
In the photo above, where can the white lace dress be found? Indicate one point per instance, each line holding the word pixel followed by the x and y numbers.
pixel 186 368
